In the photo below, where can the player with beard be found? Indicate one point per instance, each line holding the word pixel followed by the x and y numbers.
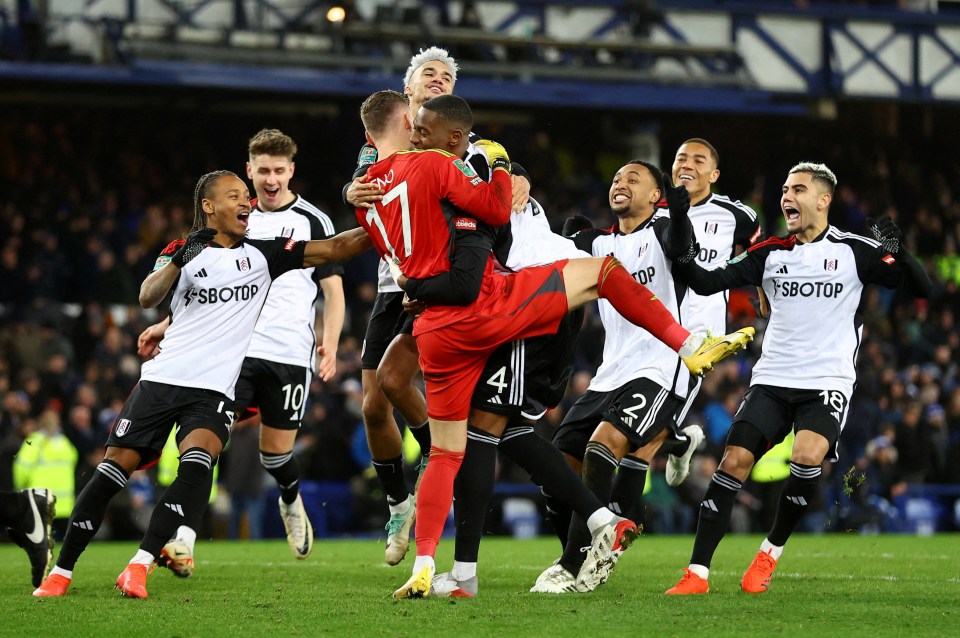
pixel 724 228
pixel 633 401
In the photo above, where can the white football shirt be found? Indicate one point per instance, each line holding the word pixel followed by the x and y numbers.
pixel 285 330
pixel 719 225
pixel 629 351
pixel 815 290
pixel 215 304
pixel 528 239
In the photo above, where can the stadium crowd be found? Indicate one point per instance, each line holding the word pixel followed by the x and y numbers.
pixel 94 194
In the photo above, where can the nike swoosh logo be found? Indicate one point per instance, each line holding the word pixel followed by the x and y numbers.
pixel 36 536
pixel 303 548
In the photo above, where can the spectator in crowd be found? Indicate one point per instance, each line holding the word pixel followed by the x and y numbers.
pixel 48 459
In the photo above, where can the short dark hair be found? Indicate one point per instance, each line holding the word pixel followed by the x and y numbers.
pixel 713 152
pixel 654 170
pixel 270 141
pixel 453 109
pixel 376 110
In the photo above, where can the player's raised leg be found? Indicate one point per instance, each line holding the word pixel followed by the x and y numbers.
pixel 604 277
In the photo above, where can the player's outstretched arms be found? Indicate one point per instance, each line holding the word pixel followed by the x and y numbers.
pixel 340 247
pixel 157 284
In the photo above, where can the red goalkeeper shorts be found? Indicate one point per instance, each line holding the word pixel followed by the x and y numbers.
pixel 524 304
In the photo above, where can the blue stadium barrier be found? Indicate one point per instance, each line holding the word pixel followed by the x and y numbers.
pixel 329 506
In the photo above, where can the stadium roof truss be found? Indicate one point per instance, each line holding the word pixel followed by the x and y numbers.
pixel 686 54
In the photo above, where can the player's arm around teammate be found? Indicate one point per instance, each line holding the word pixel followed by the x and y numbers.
pixel 816 271
pixel 533 305
pixel 432 72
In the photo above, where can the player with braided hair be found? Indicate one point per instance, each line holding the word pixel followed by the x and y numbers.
pixel 283 354
pixel 219 281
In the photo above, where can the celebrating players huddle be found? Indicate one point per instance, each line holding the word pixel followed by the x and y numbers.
pixel 494 294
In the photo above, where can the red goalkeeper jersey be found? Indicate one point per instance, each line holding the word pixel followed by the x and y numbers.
pixel 427 195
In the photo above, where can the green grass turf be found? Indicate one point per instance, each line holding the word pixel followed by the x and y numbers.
pixel 837 585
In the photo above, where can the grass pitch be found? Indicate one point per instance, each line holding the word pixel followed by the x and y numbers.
pixel 832 585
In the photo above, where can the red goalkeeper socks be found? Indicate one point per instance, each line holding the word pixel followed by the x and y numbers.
pixel 638 305
pixel 435 497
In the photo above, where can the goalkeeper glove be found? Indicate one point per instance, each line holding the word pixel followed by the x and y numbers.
pixel 196 241
pixel 496 154
pixel 886 232
pixel 678 198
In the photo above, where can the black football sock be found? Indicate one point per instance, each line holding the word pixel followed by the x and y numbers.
pixel 626 495
pixel 558 516
pixel 421 434
pixel 285 468
pixel 550 472
pixel 472 491
pixel 715 510
pixel 798 490
pixel 181 502
pixel 599 464
pixel 390 473
pixel 108 479
pixel 548 468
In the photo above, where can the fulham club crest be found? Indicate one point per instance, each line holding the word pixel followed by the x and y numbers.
pixel 243 265
pixel 829 265
pixel 710 228
pixel 122 426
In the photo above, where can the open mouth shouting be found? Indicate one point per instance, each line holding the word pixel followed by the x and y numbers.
pixel 271 193
pixel 792 216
